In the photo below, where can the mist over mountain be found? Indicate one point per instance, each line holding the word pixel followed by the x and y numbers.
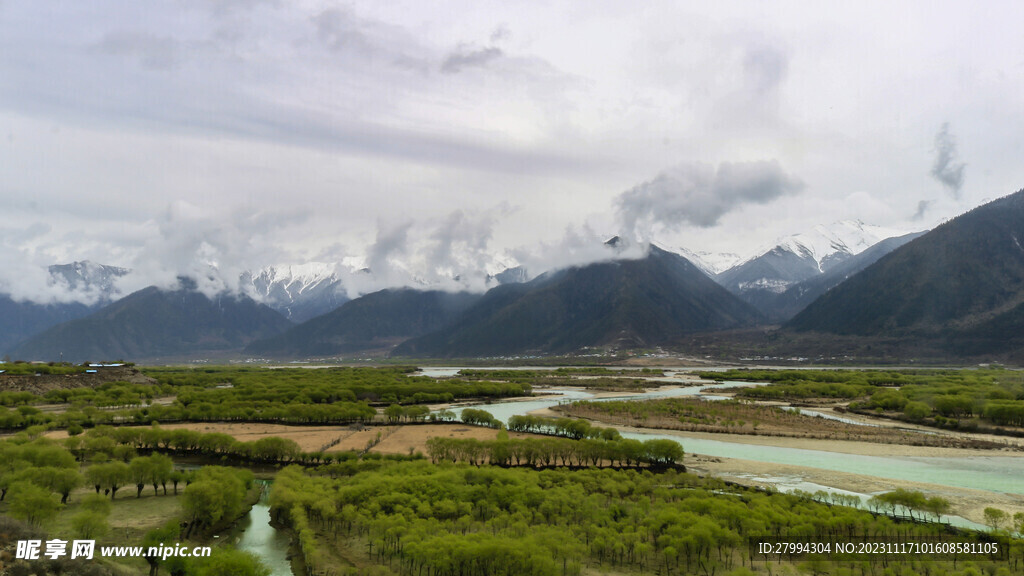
pixel 644 302
pixel 961 284
pixel 153 323
pixel 91 284
pixel 298 292
pixel 376 321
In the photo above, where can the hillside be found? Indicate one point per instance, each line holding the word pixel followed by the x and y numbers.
pixel 779 307
pixel 375 321
pixel 153 323
pixel 622 303
pixel 962 283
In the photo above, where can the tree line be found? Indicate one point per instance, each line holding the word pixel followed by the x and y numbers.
pixel 444 519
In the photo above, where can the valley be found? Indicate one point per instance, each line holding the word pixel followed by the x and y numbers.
pixel 816 459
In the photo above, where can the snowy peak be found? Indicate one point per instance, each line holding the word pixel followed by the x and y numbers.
pixel 711 263
pixel 298 291
pixel 87 277
pixel 827 245
pixel 801 257
pixel 291 279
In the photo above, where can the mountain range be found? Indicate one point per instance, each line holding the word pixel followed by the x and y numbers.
pixel 640 303
pixel 799 258
pixel 960 287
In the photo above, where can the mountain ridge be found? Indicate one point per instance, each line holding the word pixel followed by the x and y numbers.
pixel 153 323
pixel 631 303
pixel 962 283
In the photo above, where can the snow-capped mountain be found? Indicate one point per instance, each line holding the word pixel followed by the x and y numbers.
pixel 298 291
pixel 88 277
pixel 803 256
pixel 711 263
pixel 828 245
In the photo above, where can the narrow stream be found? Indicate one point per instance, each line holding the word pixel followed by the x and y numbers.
pixel 263 540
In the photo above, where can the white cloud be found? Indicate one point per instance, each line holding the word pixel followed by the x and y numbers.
pixel 282 131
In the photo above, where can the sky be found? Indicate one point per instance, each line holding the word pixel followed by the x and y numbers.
pixel 434 140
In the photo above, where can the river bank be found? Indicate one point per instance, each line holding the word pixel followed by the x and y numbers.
pixel 965 502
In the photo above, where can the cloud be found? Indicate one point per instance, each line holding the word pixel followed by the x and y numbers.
pixel 764 68
pixel 213 251
pixel 922 207
pixel 578 246
pixel 459 246
pixel 465 57
pixel 500 34
pixel 946 168
pixel 448 253
pixel 699 195
pixel 385 254
pixel 153 52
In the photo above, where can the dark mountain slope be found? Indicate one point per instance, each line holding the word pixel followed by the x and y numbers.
pixel 629 303
pixel 965 278
pixel 20 320
pixel 153 323
pixel 781 307
pixel 371 322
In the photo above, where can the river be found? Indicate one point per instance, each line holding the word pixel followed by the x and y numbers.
pixel 991 473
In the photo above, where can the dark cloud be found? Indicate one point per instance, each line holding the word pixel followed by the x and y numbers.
pixel 700 194
pixel 464 57
pixel 946 168
pixel 922 207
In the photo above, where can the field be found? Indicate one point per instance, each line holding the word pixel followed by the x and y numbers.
pixel 398 439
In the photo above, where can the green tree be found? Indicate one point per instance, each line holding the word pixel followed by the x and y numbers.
pixel 916 411
pixel 216 494
pixel 109 476
pixel 91 520
pixel 32 503
pixel 995 518
pixel 160 468
pixel 394 413
pixel 230 562
pixel 169 532
pixel 139 470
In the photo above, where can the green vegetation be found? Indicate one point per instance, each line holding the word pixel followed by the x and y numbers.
pixel 292 396
pixel 37 476
pixel 413 518
pixel 32 368
pixel 965 399
pixel 533 452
